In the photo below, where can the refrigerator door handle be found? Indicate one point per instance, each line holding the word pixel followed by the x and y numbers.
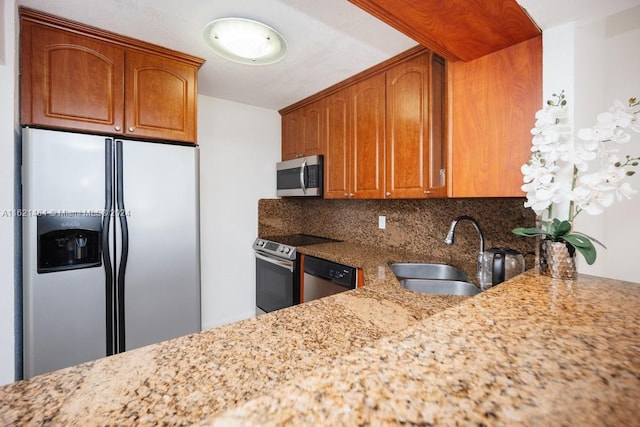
pixel 121 213
pixel 106 255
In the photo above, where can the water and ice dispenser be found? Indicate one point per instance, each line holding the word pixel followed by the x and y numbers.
pixel 69 241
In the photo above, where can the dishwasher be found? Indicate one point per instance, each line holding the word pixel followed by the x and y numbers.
pixel 323 278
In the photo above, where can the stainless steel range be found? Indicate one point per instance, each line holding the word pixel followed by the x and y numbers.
pixel 278 270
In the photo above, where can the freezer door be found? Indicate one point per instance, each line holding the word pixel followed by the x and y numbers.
pixel 162 277
pixel 64 311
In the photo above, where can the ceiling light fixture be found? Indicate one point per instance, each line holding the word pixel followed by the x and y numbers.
pixel 245 41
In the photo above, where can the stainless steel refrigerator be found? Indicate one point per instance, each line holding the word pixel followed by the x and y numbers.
pixel 111 254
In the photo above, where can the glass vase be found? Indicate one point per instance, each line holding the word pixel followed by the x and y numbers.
pixel 557 260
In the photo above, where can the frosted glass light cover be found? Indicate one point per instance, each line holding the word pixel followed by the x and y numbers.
pixel 245 41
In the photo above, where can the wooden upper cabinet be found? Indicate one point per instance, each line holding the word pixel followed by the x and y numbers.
pixel 160 97
pixel 367 126
pixel 292 134
pixel 456 29
pixel 493 104
pixel 336 128
pixel 354 131
pixel 383 131
pixel 302 132
pixel 78 77
pixel 312 142
pixel 415 151
pixel 70 81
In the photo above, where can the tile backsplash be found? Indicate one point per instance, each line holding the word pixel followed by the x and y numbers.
pixel 414 225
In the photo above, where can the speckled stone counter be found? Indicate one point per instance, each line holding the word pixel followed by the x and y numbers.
pixel 532 351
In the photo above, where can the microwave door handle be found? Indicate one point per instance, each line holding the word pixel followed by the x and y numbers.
pixel 303 171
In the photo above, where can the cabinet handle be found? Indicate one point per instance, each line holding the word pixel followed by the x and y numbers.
pixel 387 194
pixel 118 128
pixel 131 129
pixel 427 192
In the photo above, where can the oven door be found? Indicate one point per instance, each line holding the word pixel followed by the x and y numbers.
pixel 277 283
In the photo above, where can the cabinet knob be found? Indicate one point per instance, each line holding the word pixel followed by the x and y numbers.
pixel 351 194
pixel 387 194
pixel 427 192
pixel 118 128
pixel 131 129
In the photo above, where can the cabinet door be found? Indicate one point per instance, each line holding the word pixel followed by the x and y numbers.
pixel 161 97
pixel 312 138
pixel 407 145
pixel 437 159
pixel 494 101
pixel 70 81
pixel 415 145
pixel 292 134
pixel 302 131
pixel 337 140
pixel 367 137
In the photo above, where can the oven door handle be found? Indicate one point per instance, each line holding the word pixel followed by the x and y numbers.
pixel 280 263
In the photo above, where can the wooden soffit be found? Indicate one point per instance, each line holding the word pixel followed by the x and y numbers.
pixel 456 29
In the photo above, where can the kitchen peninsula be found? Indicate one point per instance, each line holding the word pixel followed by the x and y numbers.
pixel 531 351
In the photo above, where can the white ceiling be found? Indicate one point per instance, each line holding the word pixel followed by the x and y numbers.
pixel 328 40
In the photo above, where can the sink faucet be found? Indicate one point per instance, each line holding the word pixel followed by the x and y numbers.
pixel 450 236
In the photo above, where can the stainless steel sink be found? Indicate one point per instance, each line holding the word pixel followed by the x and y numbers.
pixel 437 279
pixel 440 287
pixel 410 270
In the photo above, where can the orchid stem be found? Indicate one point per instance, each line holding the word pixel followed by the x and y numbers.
pixel 572 207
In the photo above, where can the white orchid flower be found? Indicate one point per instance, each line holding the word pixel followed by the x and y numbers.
pixel 620 136
pixel 625 190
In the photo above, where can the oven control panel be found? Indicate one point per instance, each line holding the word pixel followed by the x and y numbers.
pixel 276 249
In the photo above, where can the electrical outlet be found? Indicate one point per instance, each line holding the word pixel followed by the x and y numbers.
pixel 382 222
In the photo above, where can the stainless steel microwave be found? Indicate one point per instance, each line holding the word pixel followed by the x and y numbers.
pixel 302 177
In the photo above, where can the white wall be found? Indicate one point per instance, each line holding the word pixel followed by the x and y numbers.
pixel 239 147
pixel 7 140
pixel 597 62
pixel 621 222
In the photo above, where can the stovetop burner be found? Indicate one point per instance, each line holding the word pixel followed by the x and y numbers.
pixel 284 246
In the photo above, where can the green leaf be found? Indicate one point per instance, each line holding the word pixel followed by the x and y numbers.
pixel 590 238
pixel 582 245
pixel 529 232
pixel 562 229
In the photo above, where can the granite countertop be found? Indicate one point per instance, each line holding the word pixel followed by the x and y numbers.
pixel 531 351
